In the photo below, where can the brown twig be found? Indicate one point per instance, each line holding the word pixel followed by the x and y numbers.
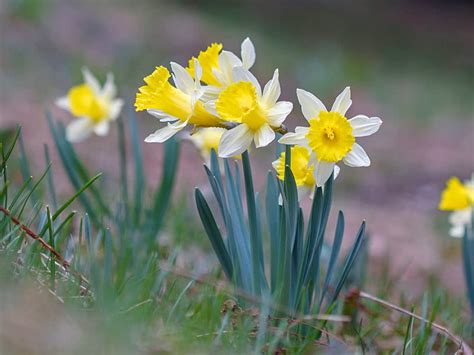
pixel 44 244
pixel 466 350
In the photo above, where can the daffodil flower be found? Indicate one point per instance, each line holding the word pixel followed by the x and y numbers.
pixel 331 137
pixel 206 139
pixel 93 105
pixel 177 105
pixel 458 197
pixel 302 168
pixel 217 66
pixel 256 114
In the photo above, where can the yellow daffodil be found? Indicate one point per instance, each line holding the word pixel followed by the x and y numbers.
pixel 302 168
pixel 93 105
pixel 217 66
pixel 331 137
pixel 459 198
pixel 207 139
pixel 177 105
pixel 256 114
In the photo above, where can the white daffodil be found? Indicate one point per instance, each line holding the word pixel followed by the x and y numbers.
pixel 217 66
pixel 302 168
pixel 331 137
pixel 177 105
pixel 458 197
pixel 93 105
pixel 206 139
pixel 256 114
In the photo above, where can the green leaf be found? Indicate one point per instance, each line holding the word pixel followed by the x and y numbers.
pixel 213 233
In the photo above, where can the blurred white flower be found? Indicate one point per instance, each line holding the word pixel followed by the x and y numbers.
pixel 93 105
pixel 458 197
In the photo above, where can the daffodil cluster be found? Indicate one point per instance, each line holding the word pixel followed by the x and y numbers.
pixel 216 90
pixel 218 93
pixel 458 197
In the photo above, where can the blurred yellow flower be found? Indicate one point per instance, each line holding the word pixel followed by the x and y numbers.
pixel 459 198
pixel 302 168
pixel 331 137
pixel 93 106
pixel 179 104
pixel 255 113
pixel 456 195
pixel 206 139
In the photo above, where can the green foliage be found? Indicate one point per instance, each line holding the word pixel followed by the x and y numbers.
pixel 296 266
pixel 122 295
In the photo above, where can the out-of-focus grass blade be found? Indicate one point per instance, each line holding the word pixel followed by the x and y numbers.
pixel 52 189
pixel 139 172
pixel 71 172
pixel 78 193
pixel 213 233
pixel 163 194
pixel 52 258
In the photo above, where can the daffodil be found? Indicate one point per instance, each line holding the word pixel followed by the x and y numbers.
pixel 458 197
pixel 331 137
pixel 217 66
pixel 302 168
pixel 255 114
pixel 92 105
pixel 177 105
pixel 206 139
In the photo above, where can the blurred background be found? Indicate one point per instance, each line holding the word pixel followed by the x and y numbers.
pixel 409 62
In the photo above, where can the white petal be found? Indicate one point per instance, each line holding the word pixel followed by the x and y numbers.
pixel 182 79
pixel 248 53
pixel 63 102
pixel 79 129
pixel 322 171
pixel 272 90
pixel 115 108
pixel 235 141
pixel 197 70
pixel 343 102
pixel 242 74
pixel 363 126
pixel 297 138
pixel 91 80
pixel 109 90
pixel 158 114
pixel 456 231
pixel 166 133
pixel 102 128
pixel 357 157
pixel 337 170
pixel 310 104
pixel 264 136
pixel 210 107
pixel 210 93
pixel 227 61
pixel 278 113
